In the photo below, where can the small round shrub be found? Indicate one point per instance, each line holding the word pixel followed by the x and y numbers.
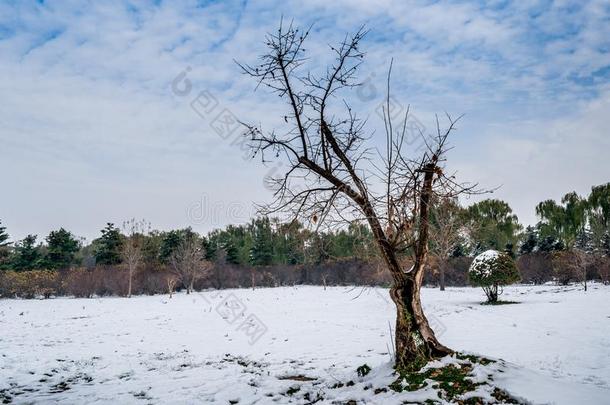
pixel 491 269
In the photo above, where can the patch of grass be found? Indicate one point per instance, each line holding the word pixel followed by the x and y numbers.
pixel 5 397
pixel 307 397
pixel 293 390
pixel 363 370
pixel 451 381
pixel 410 381
pixel 474 359
pixel 503 397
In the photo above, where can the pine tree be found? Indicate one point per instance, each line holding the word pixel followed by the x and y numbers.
pixel 4 248
pixel 171 240
pixel 584 241
pixel 605 245
pixel 530 243
pixel 26 255
pixel 108 246
pixel 3 236
pixel 169 243
pixel 210 247
pixel 261 253
pixel 62 247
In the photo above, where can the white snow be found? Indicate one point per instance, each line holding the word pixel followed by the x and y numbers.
pixel 480 264
pixel 235 345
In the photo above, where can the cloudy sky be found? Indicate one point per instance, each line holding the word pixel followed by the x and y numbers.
pixel 98 124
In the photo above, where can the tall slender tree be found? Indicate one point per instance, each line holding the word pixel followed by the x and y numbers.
pixel 132 249
pixel 261 252
pixel 446 233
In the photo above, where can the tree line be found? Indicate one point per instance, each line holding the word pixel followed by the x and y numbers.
pixel 570 242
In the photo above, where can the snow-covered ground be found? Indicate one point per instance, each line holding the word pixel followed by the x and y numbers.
pixel 293 344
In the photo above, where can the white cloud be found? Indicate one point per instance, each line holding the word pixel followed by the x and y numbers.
pixel 92 132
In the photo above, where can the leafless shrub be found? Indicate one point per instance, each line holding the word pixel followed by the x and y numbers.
pixel 188 264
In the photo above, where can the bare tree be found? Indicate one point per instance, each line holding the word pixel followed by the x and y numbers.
pixel 188 263
pixel 333 178
pixel 132 247
pixel 171 284
pixel 446 228
pixel 580 263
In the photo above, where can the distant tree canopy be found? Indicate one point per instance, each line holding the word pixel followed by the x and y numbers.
pixel 565 225
pixel 574 222
pixel 563 221
pixel 493 226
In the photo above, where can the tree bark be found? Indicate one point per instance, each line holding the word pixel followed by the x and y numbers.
pixel 441 274
pixel 415 342
pixel 190 287
pixel 129 286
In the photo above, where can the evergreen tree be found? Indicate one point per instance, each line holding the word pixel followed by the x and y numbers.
pixel 3 236
pixel 26 255
pixel 210 247
pixel 171 240
pixel 530 242
pixel 152 247
pixel 459 251
pixel 169 243
pixel 261 253
pixel 4 247
pixel 288 243
pixel 605 245
pixel 550 244
pixel 61 249
pixel 584 241
pixel 108 246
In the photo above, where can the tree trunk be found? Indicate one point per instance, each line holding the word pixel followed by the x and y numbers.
pixel 129 286
pixel 415 342
pixel 492 293
pixel 189 286
pixel 441 274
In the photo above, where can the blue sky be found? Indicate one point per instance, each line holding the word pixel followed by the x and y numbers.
pixel 92 131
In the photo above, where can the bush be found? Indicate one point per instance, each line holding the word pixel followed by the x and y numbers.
pixel 491 269
pixel 29 284
pixel 536 267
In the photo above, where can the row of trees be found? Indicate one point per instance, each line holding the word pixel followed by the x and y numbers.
pixel 574 231
pixel 574 224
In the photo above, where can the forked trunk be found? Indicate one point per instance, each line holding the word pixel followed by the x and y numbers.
pixel 415 342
